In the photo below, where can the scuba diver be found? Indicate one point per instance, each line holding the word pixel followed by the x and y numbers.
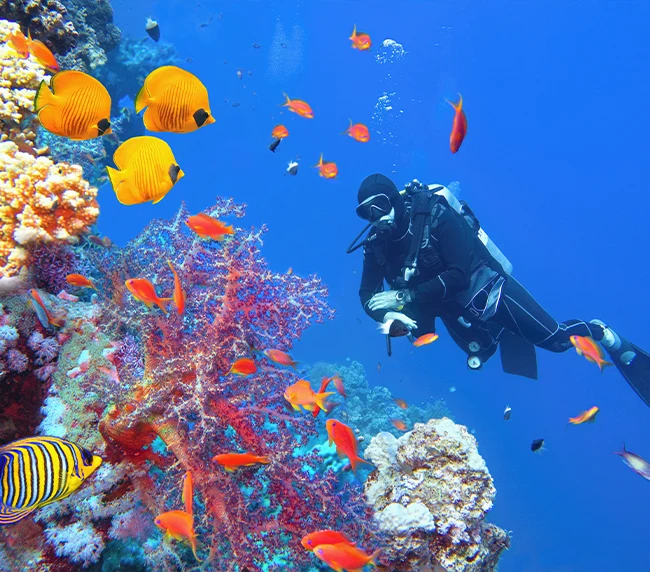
pixel 439 263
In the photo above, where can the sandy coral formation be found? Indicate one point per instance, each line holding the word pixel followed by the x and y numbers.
pixel 40 201
pixel 430 495
pixel 19 79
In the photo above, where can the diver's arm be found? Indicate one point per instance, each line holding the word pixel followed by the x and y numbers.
pixel 372 281
pixel 455 250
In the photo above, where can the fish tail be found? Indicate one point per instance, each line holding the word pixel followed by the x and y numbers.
pixel 141 100
pixel 264 460
pixel 348 129
pixel 457 106
pixel 44 96
pixel 602 364
pixel 354 463
pixel 374 559
pixel 320 161
pixel 193 545
pixel 287 99
pixel 321 399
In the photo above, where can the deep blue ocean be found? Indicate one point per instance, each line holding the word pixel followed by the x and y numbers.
pixel 555 165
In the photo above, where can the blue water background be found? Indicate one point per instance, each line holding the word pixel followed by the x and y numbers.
pixel 555 164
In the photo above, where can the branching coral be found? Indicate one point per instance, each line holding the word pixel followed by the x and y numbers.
pixel 40 201
pixel 19 79
pixel 430 495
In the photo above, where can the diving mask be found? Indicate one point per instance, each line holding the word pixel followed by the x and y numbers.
pixel 374 208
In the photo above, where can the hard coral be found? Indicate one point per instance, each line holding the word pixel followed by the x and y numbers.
pixel 40 201
pixel 19 79
pixel 430 496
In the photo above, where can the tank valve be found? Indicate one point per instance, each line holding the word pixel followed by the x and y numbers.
pixel 474 362
pixel 474 347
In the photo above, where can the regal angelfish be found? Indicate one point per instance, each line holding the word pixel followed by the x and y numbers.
pixel 37 471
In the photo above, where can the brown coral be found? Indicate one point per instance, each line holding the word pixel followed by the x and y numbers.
pixel 40 201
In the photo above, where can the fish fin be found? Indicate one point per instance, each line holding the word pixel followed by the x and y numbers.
pixel 115 177
pixel 287 99
pixel 309 407
pixel 355 460
pixel 159 199
pixel 374 559
pixel 321 399
pixel 264 460
pixel 193 545
pixel 10 515
pixel 44 97
pixel 295 407
pixel 350 120
pixel 142 100
pixel 602 364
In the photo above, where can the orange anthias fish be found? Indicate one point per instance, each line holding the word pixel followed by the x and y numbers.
pixel 302 108
pixel 360 41
pixel 37 48
pixel 144 291
pixel 425 339
pixel 232 461
pixel 243 366
pixel 178 524
pixel 338 384
pixel 344 557
pixel 590 350
pixel 398 424
pixel 179 294
pixel 280 132
pixel 588 416
pixel 459 128
pixel 346 442
pixel 311 541
pixel 188 492
pixel 301 394
pixel 79 280
pixel 45 317
pixel 358 132
pixel 326 169
pixel 208 227
pixel 400 403
pixel 280 357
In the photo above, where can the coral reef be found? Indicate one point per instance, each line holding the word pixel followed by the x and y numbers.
pixel 40 201
pixel 47 21
pixel 370 410
pixel 157 387
pixel 430 495
pixel 19 80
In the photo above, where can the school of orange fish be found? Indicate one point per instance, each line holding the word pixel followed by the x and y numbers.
pixel 77 106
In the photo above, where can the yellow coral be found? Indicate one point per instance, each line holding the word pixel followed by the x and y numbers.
pixel 40 201
pixel 19 79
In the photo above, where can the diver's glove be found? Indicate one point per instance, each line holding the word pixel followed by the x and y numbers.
pixel 408 322
pixel 390 300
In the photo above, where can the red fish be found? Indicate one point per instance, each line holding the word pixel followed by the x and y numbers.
pixel 243 366
pixel 45 317
pixel 280 132
pixel 35 47
pixel 358 132
pixel 301 394
pixel 144 291
pixel 280 357
pixel 588 416
pixel 345 557
pixel 346 442
pixel 360 42
pixel 311 541
pixel 178 524
pixel 302 108
pixel 398 424
pixel 326 169
pixel 232 461
pixel 590 350
pixel 179 294
pixel 79 280
pixel 459 128
pixel 400 403
pixel 208 227
pixel 188 492
pixel 425 339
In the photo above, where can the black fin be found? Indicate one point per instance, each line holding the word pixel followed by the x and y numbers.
pixel 173 173
pixel 200 117
pixel 153 31
pixel 273 146
pixel 103 126
pixel 634 365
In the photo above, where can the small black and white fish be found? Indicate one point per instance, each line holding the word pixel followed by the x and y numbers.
pixel 537 445
pixel 507 412
pixel 153 29
pixel 273 146
pixel 292 169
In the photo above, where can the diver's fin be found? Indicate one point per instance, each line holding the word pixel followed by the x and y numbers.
pixel 518 356
pixel 631 361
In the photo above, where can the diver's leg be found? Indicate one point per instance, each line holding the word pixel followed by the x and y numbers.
pixel 521 314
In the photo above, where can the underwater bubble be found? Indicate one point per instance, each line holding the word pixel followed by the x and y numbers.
pixel 385 115
pixel 283 62
pixel 389 52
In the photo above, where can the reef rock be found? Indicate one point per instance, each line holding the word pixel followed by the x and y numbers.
pixel 430 495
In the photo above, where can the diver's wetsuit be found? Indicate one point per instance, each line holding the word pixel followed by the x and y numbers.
pixel 445 270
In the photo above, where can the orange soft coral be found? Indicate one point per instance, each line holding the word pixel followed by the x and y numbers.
pixel 40 201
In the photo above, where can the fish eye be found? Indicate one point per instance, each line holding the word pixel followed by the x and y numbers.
pixel 157 521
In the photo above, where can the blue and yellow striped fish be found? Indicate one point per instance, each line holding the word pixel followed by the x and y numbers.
pixel 37 471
